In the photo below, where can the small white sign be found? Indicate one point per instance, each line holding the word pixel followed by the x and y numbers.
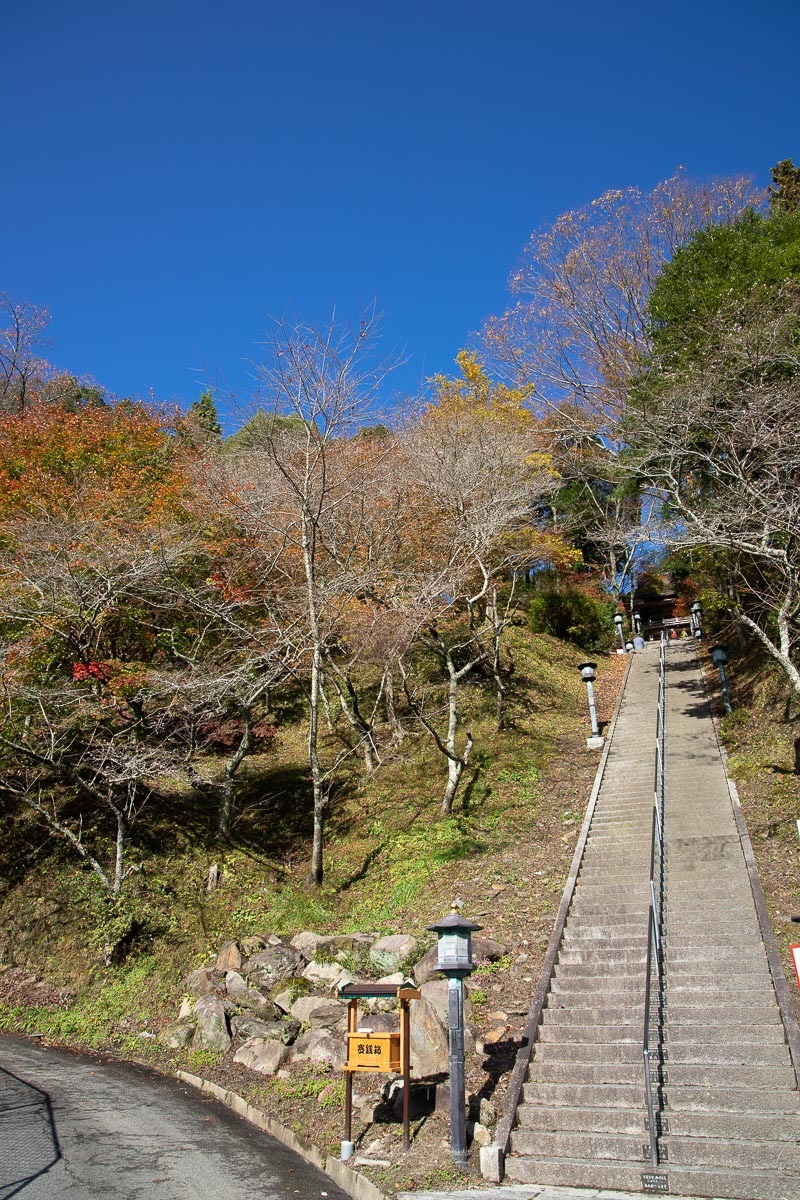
pixel 795 952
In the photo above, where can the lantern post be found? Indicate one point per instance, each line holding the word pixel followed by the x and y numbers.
pixel 696 616
pixel 588 672
pixel 719 656
pixel 455 962
pixel 618 623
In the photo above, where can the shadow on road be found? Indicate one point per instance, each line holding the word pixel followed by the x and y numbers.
pixel 27 1134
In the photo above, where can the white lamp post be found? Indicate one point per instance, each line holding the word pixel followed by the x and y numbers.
pixel 618 623
pixel 588 672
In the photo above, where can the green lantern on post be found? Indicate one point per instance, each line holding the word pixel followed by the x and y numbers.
pixel 455 962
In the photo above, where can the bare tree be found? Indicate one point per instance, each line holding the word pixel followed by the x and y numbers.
pixel 82 723
pixel 303 489
pixel 577 331
pixel 477 471
pixel 22 368
pixel 719 440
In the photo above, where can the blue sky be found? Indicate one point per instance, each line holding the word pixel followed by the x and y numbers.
pixel 175 172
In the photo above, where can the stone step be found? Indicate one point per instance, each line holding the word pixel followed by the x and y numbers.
pixel 597 1035
pixel 601 971
pixel 555 1014
pixel 627 887
pixel 752 1127
pixel 766 1013
pixel 543 1095
pixel 738 895
pixel 606 924
pixel 623 1119
pixel 721 911
pixel 677 1053
pixel 587 1073
pixel 747 972
pixel 720 1075
pixel 777 1155
pixel 756 999
pixel 681 1151
pixel 719 966
pixel 686 1100
pixel 626 990
pixel 610 957
pixel 727 960
pixel 694 928
pixel 627 1177
pixel 692 937
pixel 711 1075
pixel 593 937
pixel 592 1054
pixel 635 907
pixel 588 935
pixel 538 1143
pixel 590 1032
pixel 769 1127
pixel 751 1034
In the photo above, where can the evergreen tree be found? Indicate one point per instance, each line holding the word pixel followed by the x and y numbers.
pixel 784 195
pixel 204 413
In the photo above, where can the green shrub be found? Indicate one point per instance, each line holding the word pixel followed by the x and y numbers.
pixel 569 611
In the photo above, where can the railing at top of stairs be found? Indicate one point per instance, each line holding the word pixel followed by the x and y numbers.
pixel 654 971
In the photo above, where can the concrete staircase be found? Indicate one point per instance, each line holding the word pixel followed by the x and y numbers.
pixel 730 1119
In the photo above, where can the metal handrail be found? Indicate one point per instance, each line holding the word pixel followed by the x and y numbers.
pixel 655 918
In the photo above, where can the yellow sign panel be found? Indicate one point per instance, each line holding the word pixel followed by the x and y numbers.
pixel 373 1052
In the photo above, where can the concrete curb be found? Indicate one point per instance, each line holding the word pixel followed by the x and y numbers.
pixel 349 1181
pixel 492 1157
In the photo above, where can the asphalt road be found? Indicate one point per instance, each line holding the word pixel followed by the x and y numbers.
pixel 79 1128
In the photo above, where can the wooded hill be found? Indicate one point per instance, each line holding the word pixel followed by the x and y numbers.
pixel 329 586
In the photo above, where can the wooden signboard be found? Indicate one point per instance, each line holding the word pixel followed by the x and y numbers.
pixel 373 1051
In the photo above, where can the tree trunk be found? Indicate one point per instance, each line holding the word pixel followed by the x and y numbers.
pixel 348 701
pixel 398 733
pixel 780 653
pixel 455 769
pixel 493 615
pixel 119 848
pixel 314 763
pixel 229 782
pixel 455 762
